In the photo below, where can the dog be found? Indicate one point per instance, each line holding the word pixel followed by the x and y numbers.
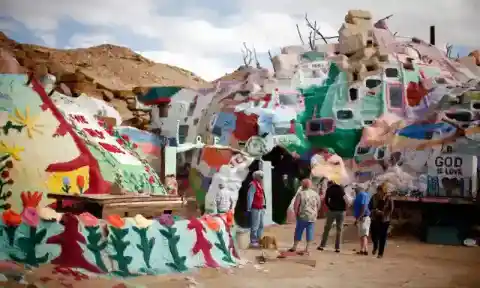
pixel 268 242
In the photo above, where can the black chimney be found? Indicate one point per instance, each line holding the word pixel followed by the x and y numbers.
pixel 432 35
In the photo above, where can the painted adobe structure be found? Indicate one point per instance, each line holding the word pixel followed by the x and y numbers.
pixel 354 110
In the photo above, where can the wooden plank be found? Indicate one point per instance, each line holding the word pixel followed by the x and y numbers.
pixel 103 199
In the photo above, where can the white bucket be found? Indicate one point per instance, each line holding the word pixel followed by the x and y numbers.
pixel 243 238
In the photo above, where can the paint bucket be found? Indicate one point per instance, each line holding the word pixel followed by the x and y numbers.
pixel 242 237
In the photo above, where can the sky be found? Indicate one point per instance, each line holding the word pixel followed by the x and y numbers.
pixel 206 36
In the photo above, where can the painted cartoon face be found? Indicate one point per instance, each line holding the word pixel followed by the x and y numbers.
pixel 256 146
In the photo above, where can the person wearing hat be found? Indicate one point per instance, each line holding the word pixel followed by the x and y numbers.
pixel 256 205
pixel 382 207
pixel 335 199
pixel 361 212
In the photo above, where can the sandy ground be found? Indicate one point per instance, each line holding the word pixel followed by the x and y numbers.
pixel 407 263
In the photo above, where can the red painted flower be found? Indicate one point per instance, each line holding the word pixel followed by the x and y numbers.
pixel 81 181
pixel 135 146
pixel 120 141
pixel 31 199
pixel 147 169
pixel 11 218
pixel 125 137
pixel 5 174
pixel 151 180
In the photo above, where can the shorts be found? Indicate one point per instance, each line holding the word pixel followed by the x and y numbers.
pixel 304 225
pixel 363 226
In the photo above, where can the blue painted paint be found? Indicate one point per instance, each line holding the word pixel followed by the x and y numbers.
pixel 420 131
pixel 226 121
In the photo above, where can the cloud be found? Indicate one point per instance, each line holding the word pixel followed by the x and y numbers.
pixel 209 68
pixel 88 40
pixel 207 38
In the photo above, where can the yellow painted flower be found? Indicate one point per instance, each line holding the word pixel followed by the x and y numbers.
pixel 27 120
pixel 14 151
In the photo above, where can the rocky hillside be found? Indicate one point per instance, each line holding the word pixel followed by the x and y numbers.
pixel 107 72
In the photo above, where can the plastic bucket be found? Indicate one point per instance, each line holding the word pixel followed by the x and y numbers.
pixel 242 237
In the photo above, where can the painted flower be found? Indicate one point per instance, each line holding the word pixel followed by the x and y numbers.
pixel 166 220
pixel 88 219
pixel 116 221
pixel 125 137
pixel 31 199
pixel 212 224
pixel 135 146
pixel 9 164
pixel 120 141
pixel 30 216
pixel 80 181
pixel 26 120
pixel 10 218
pixel 66 181
pixel 229 218
pixel 141 221
pixel 5 174
pixel 10 182
pixel 147 169
pixel 151 180
pixel 14 151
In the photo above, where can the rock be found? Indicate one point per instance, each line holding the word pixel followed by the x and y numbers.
pixel 62 88
pixel 8 63
pixel 107 95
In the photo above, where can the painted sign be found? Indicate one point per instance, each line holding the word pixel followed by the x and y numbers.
pixel 453 165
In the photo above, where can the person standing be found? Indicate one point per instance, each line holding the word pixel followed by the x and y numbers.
pixel 307 205
pixel 382 207
pixel 335 199
pixel 223 199
pixel 361 213
pixel 256 205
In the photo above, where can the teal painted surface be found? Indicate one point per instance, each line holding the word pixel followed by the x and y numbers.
pixel 158 93
pixel 159 256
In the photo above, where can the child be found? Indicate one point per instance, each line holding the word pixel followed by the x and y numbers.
pixel 306 207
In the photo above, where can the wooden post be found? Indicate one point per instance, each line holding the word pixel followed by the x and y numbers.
pixel 432 35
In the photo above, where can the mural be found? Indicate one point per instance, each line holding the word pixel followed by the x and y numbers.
pixel 372 105
pixel 115 246
pixel 54 145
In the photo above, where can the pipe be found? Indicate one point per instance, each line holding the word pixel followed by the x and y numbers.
pixel 432 35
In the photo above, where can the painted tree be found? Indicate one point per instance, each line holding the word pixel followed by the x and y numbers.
pixel 201 243
pixel 71 253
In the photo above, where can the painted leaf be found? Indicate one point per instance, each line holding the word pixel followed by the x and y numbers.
pixel 40 236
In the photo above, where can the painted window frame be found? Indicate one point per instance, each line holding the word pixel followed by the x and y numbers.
pixel 385 154
pixel 358 95
pixel 370 151
pixel 344 109
pixel 367 125
pixel 395 84
pixel 320 133
pixel 473 102
pixel 391 78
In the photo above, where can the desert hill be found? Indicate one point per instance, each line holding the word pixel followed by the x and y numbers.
pixel 107 72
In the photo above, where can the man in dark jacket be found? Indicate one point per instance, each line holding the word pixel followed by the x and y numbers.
pixel 336 202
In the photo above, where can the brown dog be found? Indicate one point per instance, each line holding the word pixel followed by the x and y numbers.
pixel 268 242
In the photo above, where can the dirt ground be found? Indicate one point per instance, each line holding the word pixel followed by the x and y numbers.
pixel 407 263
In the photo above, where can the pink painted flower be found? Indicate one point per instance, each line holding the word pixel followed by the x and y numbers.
pixel 166 220
pixel 88 219
pixel 30 216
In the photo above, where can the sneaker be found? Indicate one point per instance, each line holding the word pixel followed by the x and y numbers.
pixel 337 250
pixel 365 253
pixel 380 256
pixel 374 251
pixel 320 248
